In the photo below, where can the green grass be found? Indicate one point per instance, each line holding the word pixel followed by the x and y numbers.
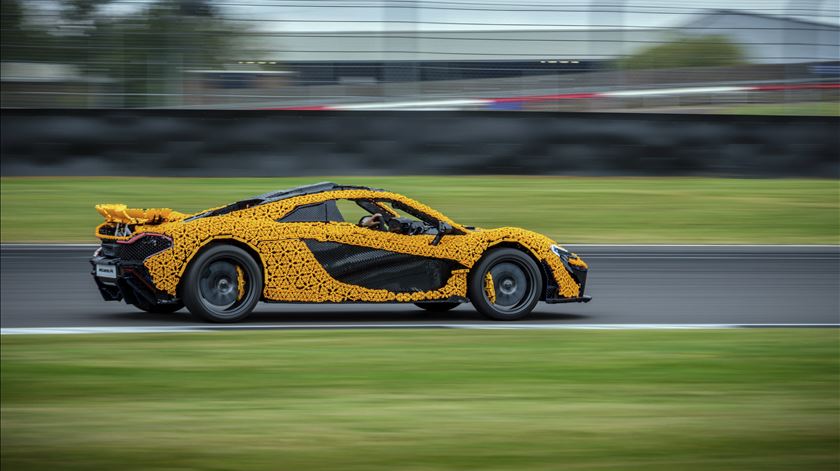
pixel 570 210
pixel 422 400
pixel 820 108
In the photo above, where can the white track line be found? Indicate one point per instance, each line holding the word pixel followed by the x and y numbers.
pixel 488 101
pixel 418 105
pixel 674 91
pixel 499 326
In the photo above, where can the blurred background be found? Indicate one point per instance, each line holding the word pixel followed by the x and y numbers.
pixel 661 122
pixel 709 56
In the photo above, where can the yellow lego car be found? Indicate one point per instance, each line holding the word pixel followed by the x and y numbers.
pixel 325 243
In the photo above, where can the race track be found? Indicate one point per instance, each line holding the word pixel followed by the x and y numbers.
pixel 50 286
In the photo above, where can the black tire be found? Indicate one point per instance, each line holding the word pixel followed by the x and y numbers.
pixel 437 306
pixel 517 282
pixel 167 308
pixel 211 286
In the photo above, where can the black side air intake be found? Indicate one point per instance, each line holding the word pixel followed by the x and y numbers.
pixel 382 269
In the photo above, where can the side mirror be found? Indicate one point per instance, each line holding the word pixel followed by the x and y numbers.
pixel 443 229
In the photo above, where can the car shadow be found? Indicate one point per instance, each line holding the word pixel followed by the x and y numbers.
pixel 132 317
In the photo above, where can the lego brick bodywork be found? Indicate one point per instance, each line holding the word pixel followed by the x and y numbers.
pixel 293 273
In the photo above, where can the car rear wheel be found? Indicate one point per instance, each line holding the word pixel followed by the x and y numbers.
pixel 505 285
pixel 223 284
pixel 437 306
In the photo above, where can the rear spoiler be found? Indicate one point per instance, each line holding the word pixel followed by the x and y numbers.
pixel 122 214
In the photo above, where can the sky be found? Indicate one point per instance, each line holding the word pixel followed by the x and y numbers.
pixel 381 15
pixel 367 15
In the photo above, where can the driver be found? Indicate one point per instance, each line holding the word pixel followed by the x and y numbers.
pixel 371 221
pixel 378 222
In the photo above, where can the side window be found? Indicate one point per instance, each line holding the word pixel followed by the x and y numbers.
pixel 333 214
pixel 410 220
pixel 401 212
pixel 320 212
pixel 351 211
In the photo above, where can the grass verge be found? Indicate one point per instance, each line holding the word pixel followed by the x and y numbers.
pixel 419 400
pixel 819 108
pixel 643 210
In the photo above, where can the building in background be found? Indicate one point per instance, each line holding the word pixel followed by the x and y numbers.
pixel 372 56
pixel 270 68
pixel 770 39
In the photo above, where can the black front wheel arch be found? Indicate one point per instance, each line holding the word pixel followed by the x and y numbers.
pixel 222 284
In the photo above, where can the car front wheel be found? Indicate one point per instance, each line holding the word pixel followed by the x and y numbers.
pixel 505 285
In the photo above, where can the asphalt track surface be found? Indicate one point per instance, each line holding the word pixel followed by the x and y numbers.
pixel 50 286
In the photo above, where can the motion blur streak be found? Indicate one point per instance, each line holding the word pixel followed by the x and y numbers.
pixel 487 102
pixel 310 54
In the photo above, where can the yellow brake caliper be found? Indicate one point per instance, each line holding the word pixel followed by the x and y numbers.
pixel 490 288
pixel 240 283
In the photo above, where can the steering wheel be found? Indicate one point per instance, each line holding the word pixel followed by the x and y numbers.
pixel 396 225
pixel 384 223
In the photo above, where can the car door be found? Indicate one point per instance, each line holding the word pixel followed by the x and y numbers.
pixel 379 259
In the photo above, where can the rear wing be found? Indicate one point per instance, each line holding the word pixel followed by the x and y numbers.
pixel 120 213
pixel 120 219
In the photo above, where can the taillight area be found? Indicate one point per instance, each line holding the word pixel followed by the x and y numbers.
pixel 138 248
pixel 115 229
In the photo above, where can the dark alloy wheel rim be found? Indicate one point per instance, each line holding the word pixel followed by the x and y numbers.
pixel 219 286
pixel 511 284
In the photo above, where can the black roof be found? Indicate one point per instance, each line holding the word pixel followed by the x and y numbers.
pixel 278 195
pixel 308 190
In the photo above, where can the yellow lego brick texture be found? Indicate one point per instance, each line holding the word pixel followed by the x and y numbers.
pixel 122 214
pixel 292 273
pixel 490 287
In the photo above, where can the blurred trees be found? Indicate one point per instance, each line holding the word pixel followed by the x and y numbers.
pixel 702 51
pixel 142 48
pixel 15 33
pixel 149 51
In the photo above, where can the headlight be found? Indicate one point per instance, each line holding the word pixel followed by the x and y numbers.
pixel 560 251
pixel 570 260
